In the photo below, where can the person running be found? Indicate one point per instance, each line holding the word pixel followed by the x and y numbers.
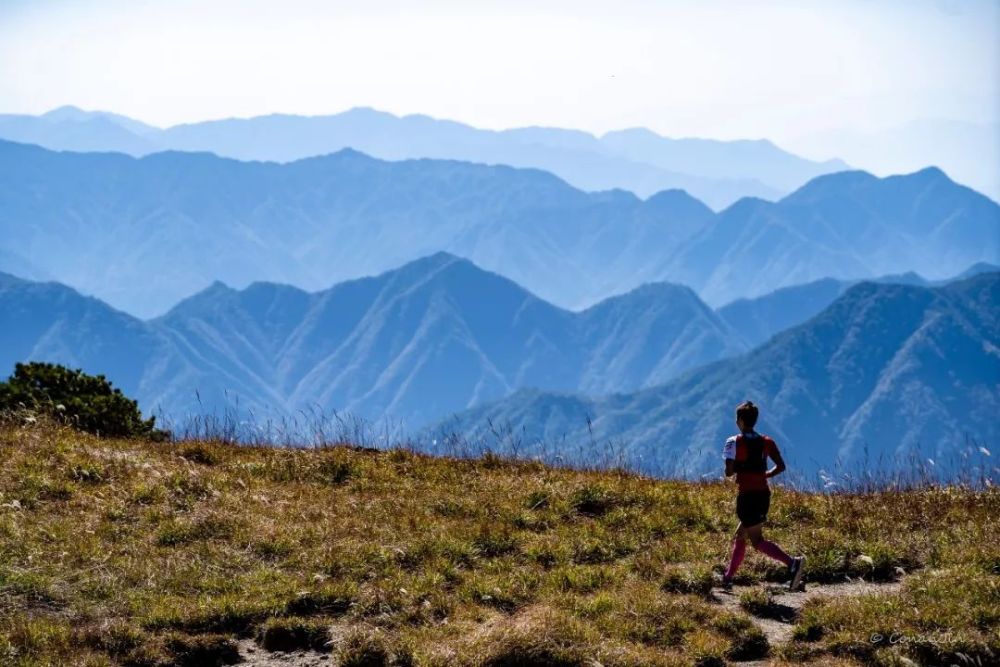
pixel 746 457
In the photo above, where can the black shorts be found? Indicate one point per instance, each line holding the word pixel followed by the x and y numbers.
pixel 752 506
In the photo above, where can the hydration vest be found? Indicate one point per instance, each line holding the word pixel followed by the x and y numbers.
pixel 754 459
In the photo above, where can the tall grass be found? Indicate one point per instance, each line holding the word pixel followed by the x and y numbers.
pixel 972 465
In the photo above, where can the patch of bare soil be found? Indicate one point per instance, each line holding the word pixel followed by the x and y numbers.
pixel 255 656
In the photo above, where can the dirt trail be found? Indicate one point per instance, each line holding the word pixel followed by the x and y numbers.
pixel 779 620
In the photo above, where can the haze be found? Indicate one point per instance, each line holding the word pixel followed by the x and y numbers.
pixel 817 77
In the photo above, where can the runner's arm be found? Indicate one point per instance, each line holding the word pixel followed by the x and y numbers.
pixel 779 463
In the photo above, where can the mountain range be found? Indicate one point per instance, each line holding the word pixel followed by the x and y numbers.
pixel 886 371
pixel 638 160
pixel 433 337
pixel 761 318
pixel 443 347
pixel 141 234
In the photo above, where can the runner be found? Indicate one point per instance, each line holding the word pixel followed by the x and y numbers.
pixel 746 457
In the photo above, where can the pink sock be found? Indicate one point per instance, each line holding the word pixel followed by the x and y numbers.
pixel 774 551
pixel 739 549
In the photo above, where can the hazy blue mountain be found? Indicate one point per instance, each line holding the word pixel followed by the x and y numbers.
pixel 716 172
pixel 977 269
pixel 720 159
pixel 849 225
pixel 577 157
pixel 71 129
pixel 410 344
pixel 437 335
pixel 758 319
pixel 885 371
pixel 143 233
pixel 968 151
pixel 433 337
pixel 648 336
pixel 71 114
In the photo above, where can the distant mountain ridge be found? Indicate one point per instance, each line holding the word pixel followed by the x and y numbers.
pixel 638 160
pixel 849 225
pixel 885 371
pixel 423 341
pixel 758 319
pixel 143 233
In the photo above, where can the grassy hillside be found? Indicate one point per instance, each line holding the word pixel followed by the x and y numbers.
pixel 132 553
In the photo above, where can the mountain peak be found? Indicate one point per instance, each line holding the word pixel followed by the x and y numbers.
pixel 217 287
pixel 74 114
pixel 200 300
pixel 842 181
pixel 657 291
pixel 929 174
pixel 435 260
pixel 977 269
pixel 745 206
pixel 677 202
pixel 829 184
pixel 650 298
pixel 367 112
pixel 261 287
pixel 346 154
pixel 67 112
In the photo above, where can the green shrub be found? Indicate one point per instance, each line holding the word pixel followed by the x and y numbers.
pixel 89 403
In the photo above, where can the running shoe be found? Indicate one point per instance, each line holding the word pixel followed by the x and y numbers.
pixel 795 571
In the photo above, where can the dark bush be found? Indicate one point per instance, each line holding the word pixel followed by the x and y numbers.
pixel 203 650
pixel 89 403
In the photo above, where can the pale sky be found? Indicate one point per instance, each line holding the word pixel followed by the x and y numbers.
pixel 750 68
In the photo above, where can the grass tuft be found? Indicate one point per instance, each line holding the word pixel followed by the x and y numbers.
pixel 202 650
pixel 294 634
pixel 370 647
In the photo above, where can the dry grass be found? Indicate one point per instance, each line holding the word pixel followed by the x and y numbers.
pixel 132 553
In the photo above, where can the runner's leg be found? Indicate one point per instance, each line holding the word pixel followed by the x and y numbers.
pixel 755 533
pixel 739 550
